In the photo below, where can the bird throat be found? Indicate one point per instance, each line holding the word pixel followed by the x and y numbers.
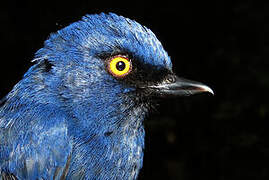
pixel 114 150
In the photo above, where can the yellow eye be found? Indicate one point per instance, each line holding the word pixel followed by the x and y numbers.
pixel 119 66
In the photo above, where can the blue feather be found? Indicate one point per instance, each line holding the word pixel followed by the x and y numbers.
pixel 68 117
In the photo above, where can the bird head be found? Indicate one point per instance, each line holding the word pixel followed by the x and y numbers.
pixel 104 59
pixel 98 77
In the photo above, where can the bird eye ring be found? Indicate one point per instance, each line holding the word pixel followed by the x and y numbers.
pixel 119 66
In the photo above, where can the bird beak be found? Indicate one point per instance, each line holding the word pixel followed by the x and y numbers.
pixel 175 86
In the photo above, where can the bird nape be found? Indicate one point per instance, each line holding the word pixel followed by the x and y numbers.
pixel 78 111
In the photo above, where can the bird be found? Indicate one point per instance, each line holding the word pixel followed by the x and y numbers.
pixel 78 112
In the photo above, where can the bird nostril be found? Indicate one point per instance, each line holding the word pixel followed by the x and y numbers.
pixel 170 79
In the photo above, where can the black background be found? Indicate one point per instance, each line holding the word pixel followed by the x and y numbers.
pixel 224 45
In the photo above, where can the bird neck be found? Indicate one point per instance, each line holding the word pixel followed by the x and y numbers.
pixel 106 129
pixel 110 141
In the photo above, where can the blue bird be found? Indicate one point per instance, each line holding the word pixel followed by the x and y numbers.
pixel 78 111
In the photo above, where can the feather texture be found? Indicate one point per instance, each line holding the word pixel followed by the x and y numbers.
pixel 68 118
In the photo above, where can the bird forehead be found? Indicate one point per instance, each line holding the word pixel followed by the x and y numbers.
pixel 110 32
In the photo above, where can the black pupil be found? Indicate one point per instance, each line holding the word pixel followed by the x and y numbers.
pixel 120 66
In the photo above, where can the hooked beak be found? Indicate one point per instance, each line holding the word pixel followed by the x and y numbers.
pixel 175 86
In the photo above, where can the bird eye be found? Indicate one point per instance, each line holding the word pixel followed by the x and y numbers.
pixel 119 66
